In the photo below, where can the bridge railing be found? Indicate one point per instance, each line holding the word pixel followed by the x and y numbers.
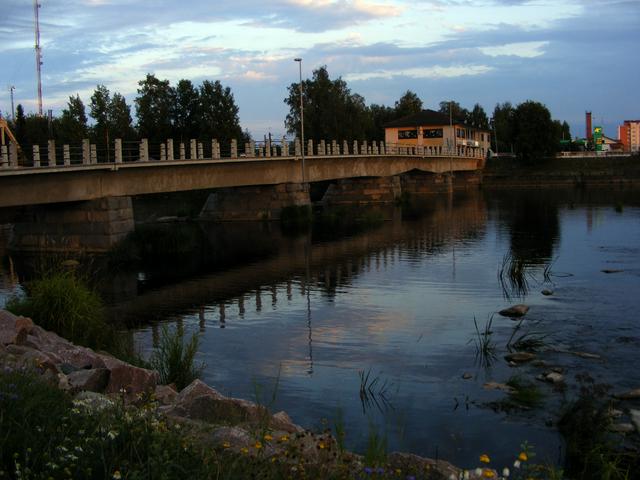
pixel 126 151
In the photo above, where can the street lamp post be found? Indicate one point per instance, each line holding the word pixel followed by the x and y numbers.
pixel 299 60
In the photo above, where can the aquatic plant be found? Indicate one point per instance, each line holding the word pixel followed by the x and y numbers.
pixel 524 393
pixel 485 346
pixel 174 359
pixel 373 392
pixel 513 277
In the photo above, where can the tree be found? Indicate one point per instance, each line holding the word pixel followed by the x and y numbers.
pixel 408 104
pixel 503 127
pixel 186 121
pixel 331 111
pixel 99 106
pixel 478 118
pixel 72 127
pixel 218 113
pixel 119 114
pixel 20 124
pixel 380 115
pixel 457 112
pixel 154 107
pixel 534 133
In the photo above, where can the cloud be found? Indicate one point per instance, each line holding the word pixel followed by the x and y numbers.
pixel 424 72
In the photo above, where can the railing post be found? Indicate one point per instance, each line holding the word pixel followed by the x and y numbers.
pixel 36 155
pixel 118 150
pixel 374 150
pixel 200 151
pixel 247 148
pixel 182 151
pixel 66 155
pixel 170 149
pixel 252 148
pixel 51 152
pixel 355 147
pixel 365 148
pixel 193 154
pixel 285 147
pixel 383 150
pixel 214 149
pixel 93 154
pixel 267 148
pixel 234 148
pixel 13 154
pixel 310 148
pixel 86 152
pixel 4 157
pixel 144 150
pixel 296 147
pixel 163 152
pixel 345 147
pixel 321 148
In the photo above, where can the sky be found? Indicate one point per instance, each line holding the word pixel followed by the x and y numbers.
pixel 571 55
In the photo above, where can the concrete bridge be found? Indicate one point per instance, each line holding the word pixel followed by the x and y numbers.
pixel 87 195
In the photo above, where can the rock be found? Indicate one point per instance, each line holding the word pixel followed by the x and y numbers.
pixel 498 386
pixel 166 394
pixel 467 376
pixel 407 462
pixel 514 311
pixel 196 389
pixel 13 329
pixel 635 419
pixel 611 270
pixel 555 378
pixel 235 437
pixel 127 379
pixel 520 357
pixel 621 428
pixel 94 380
pixel 630 395
pixel 282 421
pixel 80 357
pixel 71 264
pixel 546 292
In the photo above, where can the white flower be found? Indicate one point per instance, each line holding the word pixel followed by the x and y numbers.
pixel 505 472
pixel 466 475
pixel 111 434
pixel 516 464
pixel 478 471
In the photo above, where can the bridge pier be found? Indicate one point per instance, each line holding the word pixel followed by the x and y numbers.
pixel 363 191
pixel 264 202
pixel 91 226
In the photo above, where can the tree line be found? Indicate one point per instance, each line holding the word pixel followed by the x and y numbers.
pixel 331 111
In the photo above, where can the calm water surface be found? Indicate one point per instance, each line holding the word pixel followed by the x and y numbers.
pixel 308 312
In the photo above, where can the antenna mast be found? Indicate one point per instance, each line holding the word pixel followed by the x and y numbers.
pixel 36 7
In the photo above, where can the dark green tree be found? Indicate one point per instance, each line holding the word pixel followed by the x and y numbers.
pixel 331 111
pixel 36 132
pixel 503 128
pixel 218 114
pixel 380 115
pixel 186 121
pixel 408 104
pixel 154 108
pixel 454 109
pixel 478 118
pixel 99 109
pixel 72 127
pixel 20 124
pixel 119 115
pixel 535 135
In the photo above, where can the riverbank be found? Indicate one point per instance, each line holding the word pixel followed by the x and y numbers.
pixel 228 431
pixel 574 171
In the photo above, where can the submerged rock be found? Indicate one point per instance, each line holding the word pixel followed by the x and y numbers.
pixel 515 311
pixel 467 376
pixel 498 386
pixel 546 292
pixel 519 357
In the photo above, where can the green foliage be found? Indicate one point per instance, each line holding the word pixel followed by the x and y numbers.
pixel 47 435
pixel 72 126
pixel 154 107
pixel 485 346
pixel 218 113
pixel 408 104
pixel 174 360
pixel 61 302
pixel 454 109
pixel 186 112
pixel 375 454
pixel 534 132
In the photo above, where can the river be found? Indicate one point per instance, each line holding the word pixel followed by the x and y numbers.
pixel 295 319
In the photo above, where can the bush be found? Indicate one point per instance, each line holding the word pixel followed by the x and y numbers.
pixel 61 302
pixel 174 360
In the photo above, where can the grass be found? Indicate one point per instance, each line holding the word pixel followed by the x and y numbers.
pixel 512 275
pixel 174 359
pixel 62 302
pixel 485 346
pixel 373 392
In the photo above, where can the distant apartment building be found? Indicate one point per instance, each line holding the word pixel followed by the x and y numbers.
pixel 629 135
pixel 438 135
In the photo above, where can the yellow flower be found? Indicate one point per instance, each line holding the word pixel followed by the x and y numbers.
pixel 244 450
pixel 321 445
pixel 486 473
pixel 523 457
pixel 258 445
pixel 226 445
pixel 268 437
pixel 398 471
pixel 484 458
pixel 284 438
pixel 117 475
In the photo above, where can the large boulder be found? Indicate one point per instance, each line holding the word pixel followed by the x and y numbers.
pixel 515 311
pixel 14 329
pixel 93 380
pixel 128 380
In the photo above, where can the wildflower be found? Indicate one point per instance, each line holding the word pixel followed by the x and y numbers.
pixel 505 472
pixel 478 471
pixel 268 437
pixel 244 450
pixel 398 471
pixel 516 464
pixel 523 457
pixel 486 473
pixel 380 470
pixel 112 434
pixel 466 475
pixel 226 445
pixel 484 458
pixel 117 475
pixel 321 445
pixel 258 445
pixel 284 438
pixel 368 470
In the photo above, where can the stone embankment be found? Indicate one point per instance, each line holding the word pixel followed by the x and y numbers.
pixel 212 418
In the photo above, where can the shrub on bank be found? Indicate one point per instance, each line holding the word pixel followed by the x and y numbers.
pixel 174 359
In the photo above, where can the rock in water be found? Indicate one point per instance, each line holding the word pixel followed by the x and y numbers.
pixel 546 292
pixel 519 357
pixel 630 395
pixel 514 311
pixel 611 270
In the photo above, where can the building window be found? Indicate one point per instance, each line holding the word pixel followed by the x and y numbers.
pixel 405 134
pixel 432 133
pixel 459 133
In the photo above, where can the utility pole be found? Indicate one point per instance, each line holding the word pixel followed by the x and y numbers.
pixel 36 8
pixel 304 180
pixel 13 110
